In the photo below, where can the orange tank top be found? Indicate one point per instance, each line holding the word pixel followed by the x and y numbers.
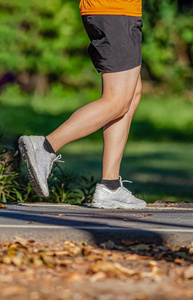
pixel 111 7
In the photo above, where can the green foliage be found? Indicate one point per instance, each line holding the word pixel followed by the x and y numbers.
pixel 86 188
pixel 167 47
pixel 43 42
pixel 8 180
pixel 62 186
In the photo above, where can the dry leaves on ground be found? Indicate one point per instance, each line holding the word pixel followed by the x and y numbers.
pixel 32 269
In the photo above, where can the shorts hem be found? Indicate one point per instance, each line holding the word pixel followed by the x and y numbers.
pixel 117 70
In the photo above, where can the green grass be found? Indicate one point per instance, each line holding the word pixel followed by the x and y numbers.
pixel 158 156
pixel 159 171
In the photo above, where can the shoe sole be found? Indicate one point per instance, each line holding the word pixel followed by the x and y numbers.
pixel 32 174
pixel 117 205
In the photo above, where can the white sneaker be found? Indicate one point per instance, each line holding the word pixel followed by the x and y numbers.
pixel 119 198
pixel 39 162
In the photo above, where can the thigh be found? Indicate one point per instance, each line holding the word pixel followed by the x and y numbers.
pixel 120 86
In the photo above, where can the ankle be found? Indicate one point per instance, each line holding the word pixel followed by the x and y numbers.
pixel 48 147
pixel 111 184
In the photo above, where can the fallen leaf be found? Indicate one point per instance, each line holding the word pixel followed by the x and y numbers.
pixel 113 268
pixel 137 216
pixel 61 253
pixel 48 260
pixel 133 257
pixel 31 241
pixel 98 276
pixel 2 206
pixel 75 277
pixel 37 261
pixel 64 262
pixel 17 261
pixel 152 264
pixel 191 250
pixel 83 244
pixel 60 215
pixel 69 243
pixel 188 272
pixel 20 240
pixel 179 261
pixel 12 250
pixel 76 251
pixel 145 215
pixel 6 260
pixel 142 216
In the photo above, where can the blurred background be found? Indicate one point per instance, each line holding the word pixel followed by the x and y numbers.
pixel 46 74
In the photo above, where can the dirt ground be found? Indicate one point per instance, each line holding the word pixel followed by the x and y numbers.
pixel 31 271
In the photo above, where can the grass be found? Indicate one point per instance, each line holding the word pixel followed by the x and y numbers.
pixel 158 156
pixel 159 171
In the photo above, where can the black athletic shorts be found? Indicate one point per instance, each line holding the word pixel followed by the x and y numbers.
pixel 115 41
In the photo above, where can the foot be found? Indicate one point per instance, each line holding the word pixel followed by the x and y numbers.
pixel 119 198
pixel 39 162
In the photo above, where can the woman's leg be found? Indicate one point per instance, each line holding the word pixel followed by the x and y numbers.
pixel 110 193
pixel 115 137
pixel 118 92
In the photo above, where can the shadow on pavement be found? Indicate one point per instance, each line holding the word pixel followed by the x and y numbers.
pixel 100 231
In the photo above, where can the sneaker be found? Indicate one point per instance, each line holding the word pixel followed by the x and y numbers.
pixel 120 198
pixel 39 162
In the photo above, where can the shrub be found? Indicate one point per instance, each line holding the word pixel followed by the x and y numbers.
pixel 64 187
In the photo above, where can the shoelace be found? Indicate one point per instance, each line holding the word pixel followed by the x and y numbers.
pixel 57 159
pixel 121 181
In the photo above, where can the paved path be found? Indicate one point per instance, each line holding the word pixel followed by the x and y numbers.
pixel 45 222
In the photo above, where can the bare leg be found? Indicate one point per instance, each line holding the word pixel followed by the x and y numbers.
pixel 118 92
pixel 115 137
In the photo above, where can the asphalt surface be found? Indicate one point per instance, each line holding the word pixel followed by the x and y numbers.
pixel 45 222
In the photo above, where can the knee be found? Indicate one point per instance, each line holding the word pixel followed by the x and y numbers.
pixel 120 105
pixel 125 107
pixel 128 102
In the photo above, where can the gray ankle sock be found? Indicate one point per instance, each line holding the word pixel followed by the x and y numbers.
pixel 111 184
